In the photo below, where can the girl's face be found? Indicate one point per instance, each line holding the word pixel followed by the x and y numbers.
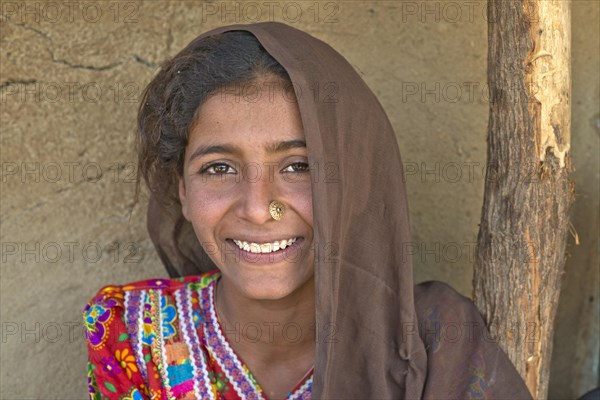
pixel 245 151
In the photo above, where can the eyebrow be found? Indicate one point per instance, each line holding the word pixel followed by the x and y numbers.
pixel 276 147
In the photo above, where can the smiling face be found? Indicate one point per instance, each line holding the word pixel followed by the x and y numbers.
pixel 243 152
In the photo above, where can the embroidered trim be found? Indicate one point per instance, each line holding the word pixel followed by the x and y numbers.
pixel 134 318
pixel 304 392
pixel 202 387
pixel 158 354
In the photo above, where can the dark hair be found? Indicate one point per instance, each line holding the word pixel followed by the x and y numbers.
pixel 171 101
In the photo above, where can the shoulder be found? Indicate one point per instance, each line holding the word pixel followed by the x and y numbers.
pixel 440 307
pixel 106 310
pixel 111 295
pixel 436 293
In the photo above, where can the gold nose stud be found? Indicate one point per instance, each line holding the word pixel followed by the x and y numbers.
pixel 276 209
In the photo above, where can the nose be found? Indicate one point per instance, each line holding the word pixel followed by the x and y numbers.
pixel 258 189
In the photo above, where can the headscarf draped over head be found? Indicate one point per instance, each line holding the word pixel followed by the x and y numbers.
pixel 377 335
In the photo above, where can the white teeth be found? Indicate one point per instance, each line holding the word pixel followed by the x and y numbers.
pixel 264 247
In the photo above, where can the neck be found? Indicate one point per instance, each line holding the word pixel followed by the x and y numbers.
pixel 270 330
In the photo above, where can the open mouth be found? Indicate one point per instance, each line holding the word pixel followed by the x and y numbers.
pixel 264 248
pixel 269 252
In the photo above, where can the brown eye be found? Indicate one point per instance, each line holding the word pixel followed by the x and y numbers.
pixel 217 169
pixel 297 167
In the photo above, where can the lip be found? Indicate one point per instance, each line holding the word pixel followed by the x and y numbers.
pixel 289 254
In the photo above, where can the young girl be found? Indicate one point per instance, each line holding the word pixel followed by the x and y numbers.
pixel 277 197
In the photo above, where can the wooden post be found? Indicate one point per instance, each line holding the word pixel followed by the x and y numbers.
pixel 524 222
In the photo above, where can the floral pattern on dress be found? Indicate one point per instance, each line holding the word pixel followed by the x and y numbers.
pixel 134 394
pixel 477 384
pixel 168 315
pixel 126 361
pixel 110 366
pixel 96 320
pixel 92 387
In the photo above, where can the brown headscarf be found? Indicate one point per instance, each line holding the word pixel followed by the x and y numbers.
pixel 377 335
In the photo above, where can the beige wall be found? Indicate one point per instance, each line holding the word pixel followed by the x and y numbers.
pixel 70 86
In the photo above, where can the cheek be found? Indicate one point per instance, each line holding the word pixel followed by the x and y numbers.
pixel 300 195
pixel 206 209
pixel 305 207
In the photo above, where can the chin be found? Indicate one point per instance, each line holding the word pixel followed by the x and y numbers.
pixel 270 285
pixel 268 293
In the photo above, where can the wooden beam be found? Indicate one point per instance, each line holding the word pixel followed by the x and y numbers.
pixel 524 223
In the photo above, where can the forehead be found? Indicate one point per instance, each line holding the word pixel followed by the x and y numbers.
pixel 250 113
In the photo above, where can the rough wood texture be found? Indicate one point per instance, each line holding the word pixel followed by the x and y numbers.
pixel 524 222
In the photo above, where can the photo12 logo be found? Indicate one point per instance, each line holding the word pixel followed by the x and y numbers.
pixel 32 91
pixel 54 12
pixel 427 11
pixel 70 252
pixel 254 11
pixel 27 172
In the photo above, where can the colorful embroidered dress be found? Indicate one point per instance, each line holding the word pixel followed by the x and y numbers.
pixel 161 339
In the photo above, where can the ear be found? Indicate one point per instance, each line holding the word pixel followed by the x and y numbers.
pixel 182 198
